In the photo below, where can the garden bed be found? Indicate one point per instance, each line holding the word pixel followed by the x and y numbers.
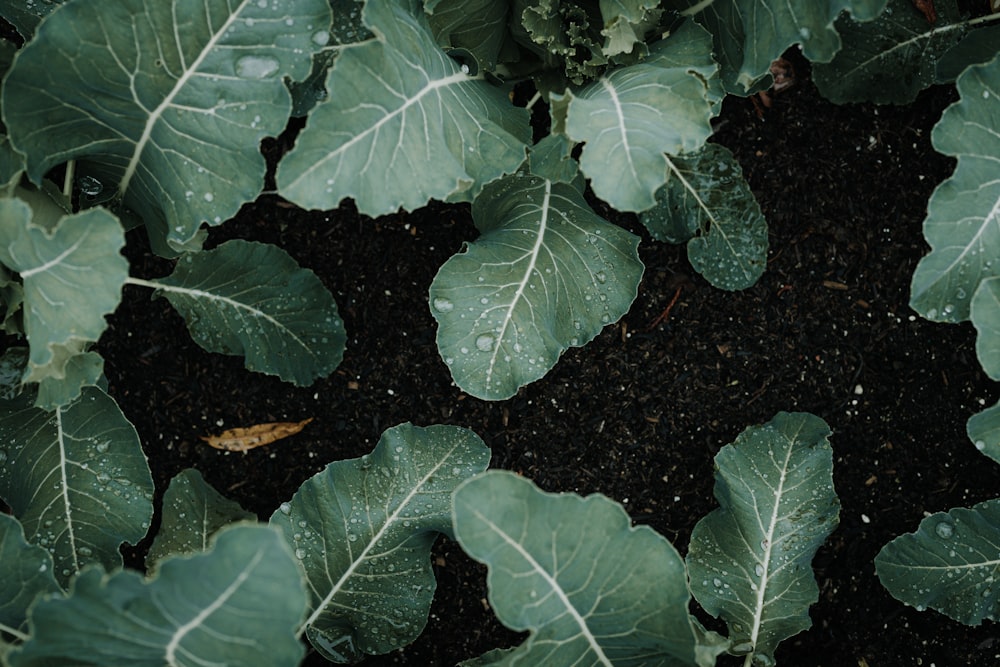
pixel 639 413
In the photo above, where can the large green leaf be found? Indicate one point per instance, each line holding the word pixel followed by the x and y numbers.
pixel 749 35
pixel 977 47
pixel 631 116
pixel 72 275
pixel 546 274
pixel 237 604
pixel 749 560
pixel 950 564
pixel 252 299
pixel 76 478
pixel 192 513
pixel 403 124
pixel 170 99
pixel 27 575
pixel 707 198
pixel 963 215
pixel 362 530
pixel 890 59
pixel 591 588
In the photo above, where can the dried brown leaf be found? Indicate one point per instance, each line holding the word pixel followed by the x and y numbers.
pixel 244 439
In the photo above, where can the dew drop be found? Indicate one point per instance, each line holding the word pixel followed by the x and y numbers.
pixel 484 343
pixel 758 570
pixel 443 305
pixel 256 67
pixel 601 277
pixel 285 508
pixel 980 445
pixel 944 530
pixel 90 186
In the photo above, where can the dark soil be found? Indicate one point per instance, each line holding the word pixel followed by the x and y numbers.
pixel 638 414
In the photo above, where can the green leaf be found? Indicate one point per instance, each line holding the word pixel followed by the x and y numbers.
pixel 546 274
pixel 977 47
pixel 749 36
pixel 76 478
pixel 237 604
pixel 170 101
pixel 11 299
pixel 25 16
pixel 402 125
pixel 949 564
pixel 478 26
pixel 192 513
pixel 891 59
pixel 983 430
pixel 72 275
pixel 985 314
pixel 252 299
pixel 749 560
pixel 591 589
pixel 961 224
pixel 362 530
pixel 12 364
pixel 552 159
pixel 27 572
pixel 626 23
pixel 630 117
pixel 81 370
pixel 707 198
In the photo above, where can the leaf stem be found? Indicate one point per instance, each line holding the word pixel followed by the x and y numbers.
pixel 68 179
pixel 694 9
pixel 537 96
pixel 20 636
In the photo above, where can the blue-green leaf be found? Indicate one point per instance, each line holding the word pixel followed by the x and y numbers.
pixel 27 572
pixel 708 204
pixel 949 564
pixel 963 213
pixel 749 560
pixel 362 530
pixel 546 274
pixel 76 478
pixel 748 36
pixel 254 300
pixel 72 276
pixel 169 99
pixel 591 588
pixel 236 604
pixel 403 124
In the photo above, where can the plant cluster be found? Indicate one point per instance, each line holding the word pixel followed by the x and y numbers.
pixel 143 113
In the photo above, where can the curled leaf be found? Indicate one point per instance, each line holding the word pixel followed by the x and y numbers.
pixel 250 437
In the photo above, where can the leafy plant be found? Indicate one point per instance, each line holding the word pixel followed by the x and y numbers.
pixel 592 589
pixel 345 562
pixel 950 562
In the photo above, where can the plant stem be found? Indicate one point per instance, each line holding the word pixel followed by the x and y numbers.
pixel 68 179
pixel 537 96
pixel 20 636
pixel 694 9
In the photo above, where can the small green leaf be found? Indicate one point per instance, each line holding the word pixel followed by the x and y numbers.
pixel 81 370
pixel 192 513
pixel 949 564
pixel 961 224
pixel 402 125
pixel 749 560
pixel 27 572
pixel 891 59
pixel 172 103
pixel 985 314
pixel 591 588
pixel 631 116
pixel 76 478
pixel 237 604
pixel 707 198
pixel 362 530
pixel 478 26
pixel 983 430
pixel 72 276
pixel 546 274
pixel 252 299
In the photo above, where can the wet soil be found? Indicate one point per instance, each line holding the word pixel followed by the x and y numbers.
pixel 639 413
